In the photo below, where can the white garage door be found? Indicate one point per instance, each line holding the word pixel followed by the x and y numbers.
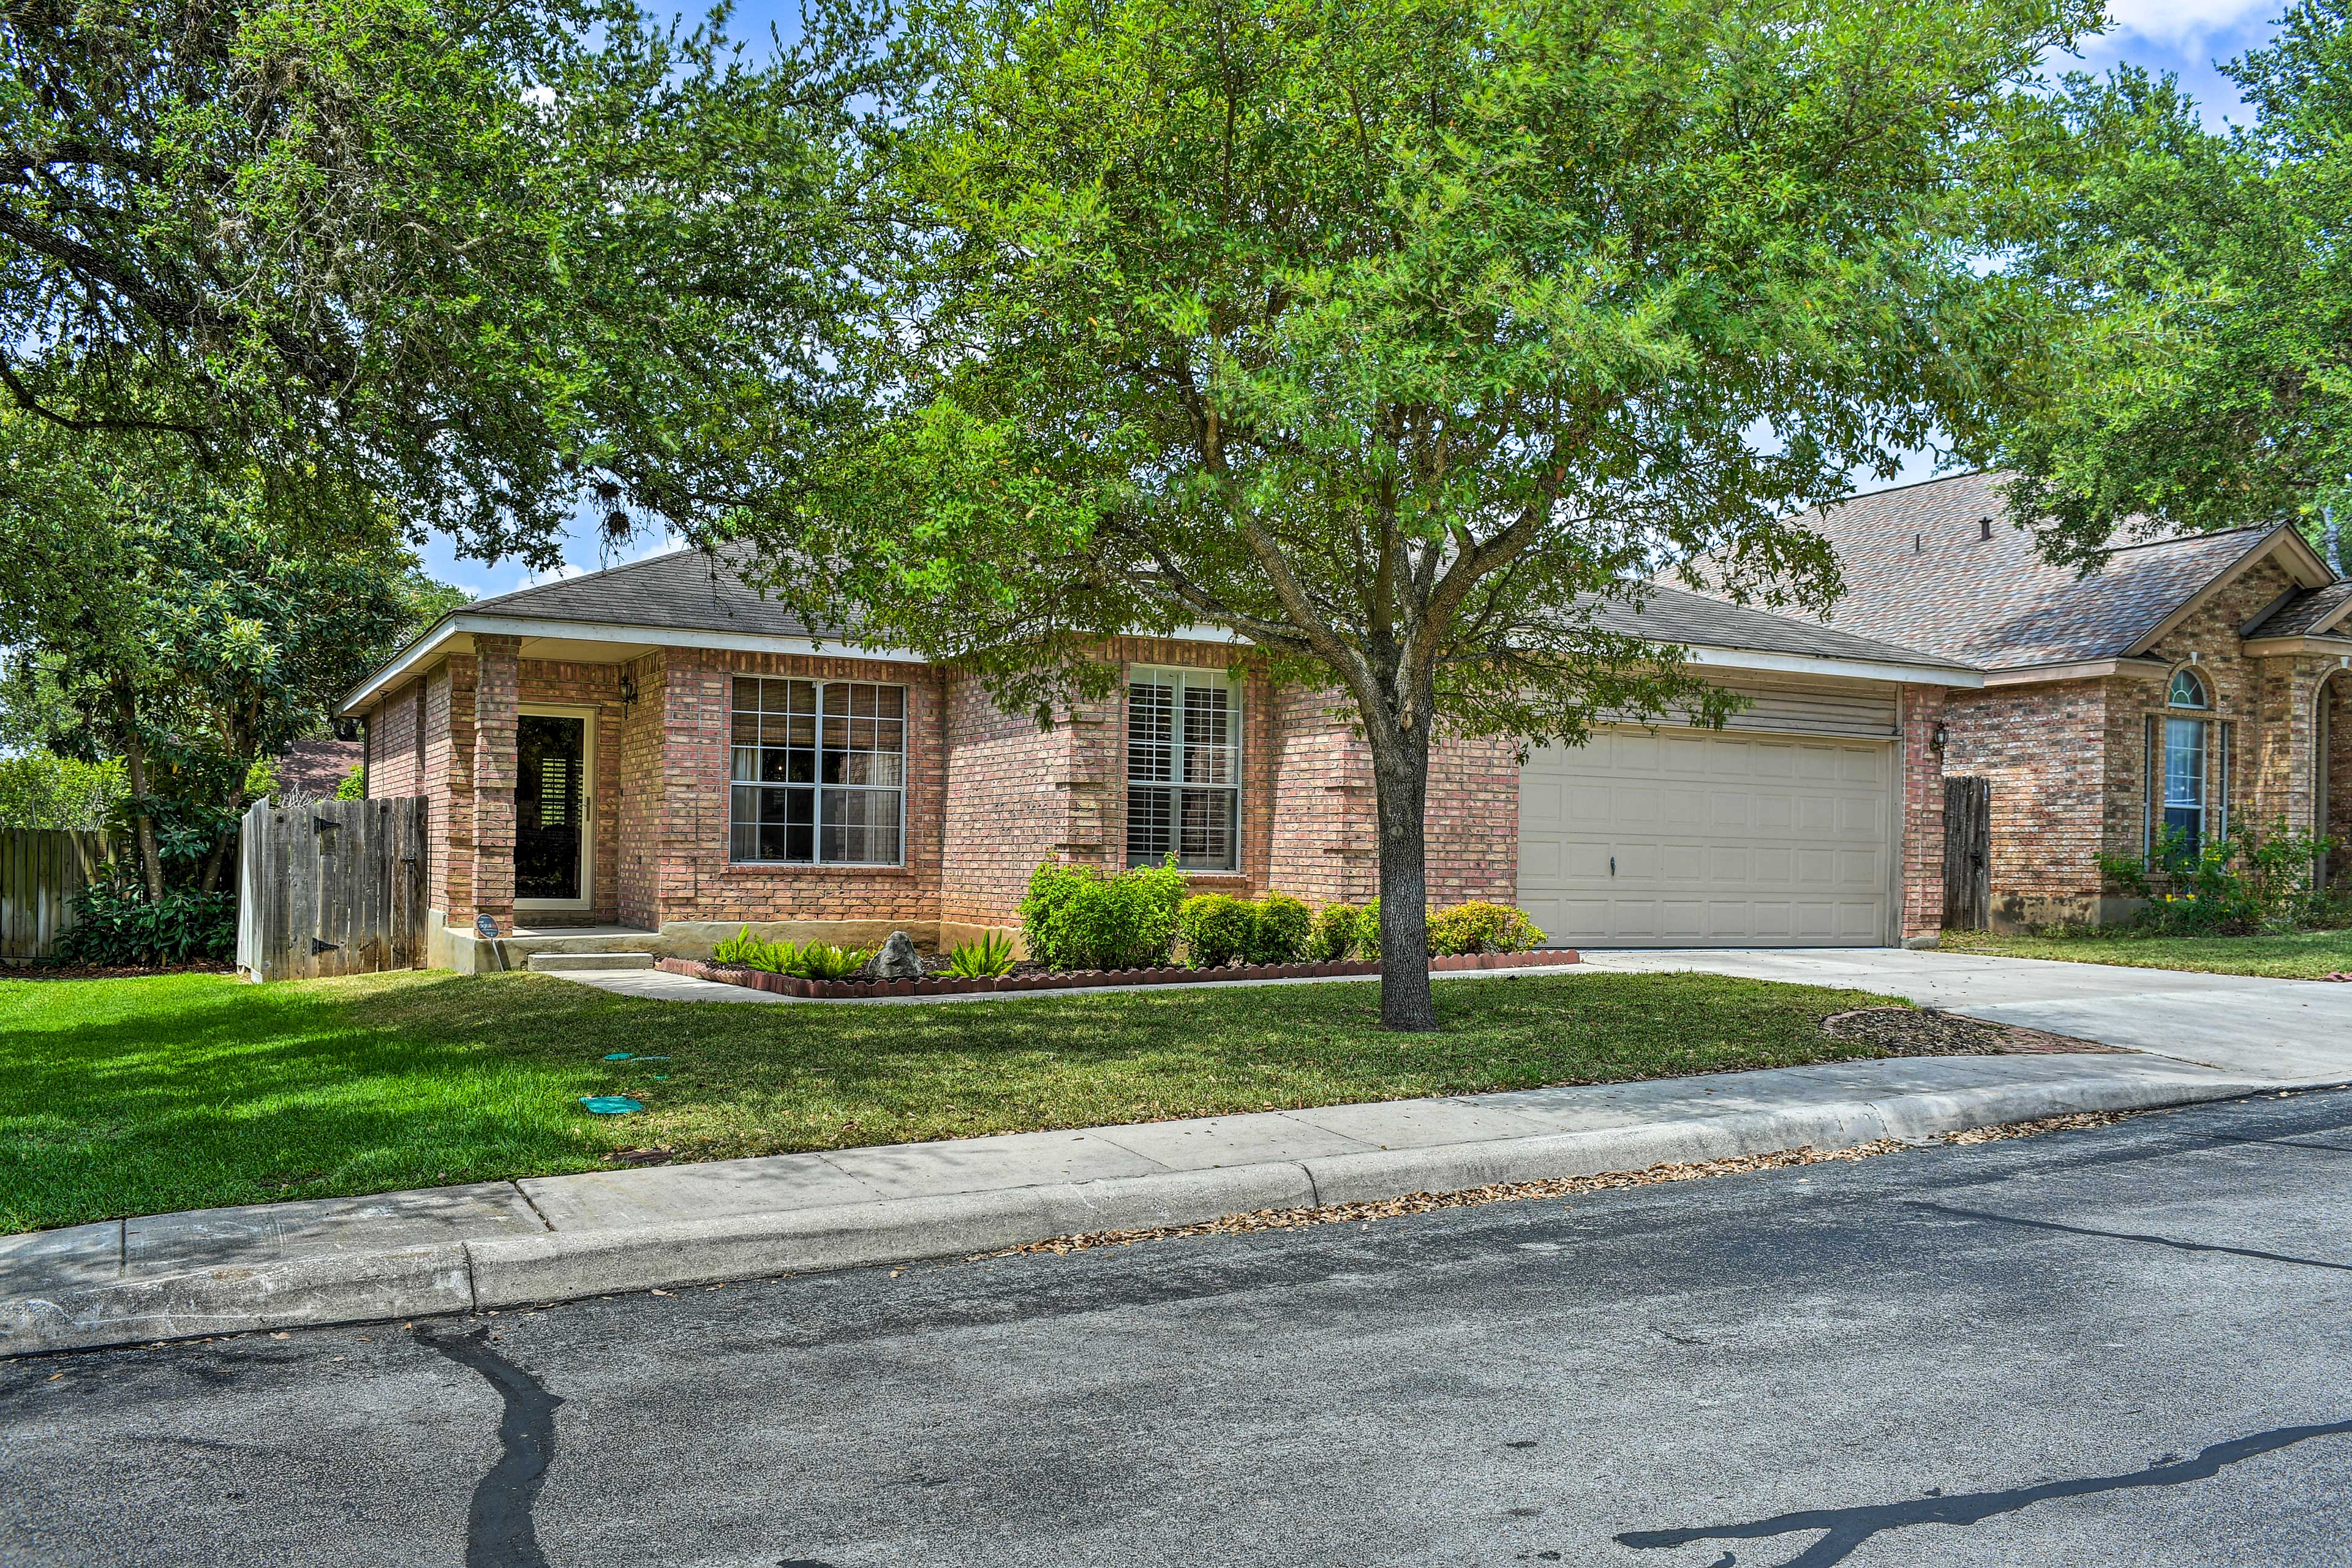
pixel 1685 837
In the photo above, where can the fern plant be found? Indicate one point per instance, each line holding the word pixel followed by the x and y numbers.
pixel 991 956
pixel 822 961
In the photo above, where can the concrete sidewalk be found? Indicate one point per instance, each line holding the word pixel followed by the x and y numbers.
pixel 496 1245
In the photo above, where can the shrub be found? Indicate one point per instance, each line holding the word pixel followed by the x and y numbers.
pixel 1280 934
pixel 991 956
pixel 1368 931
pixel 115 924
pixel 1333 934
pixel 1216 929
pixel 737 948
pixel 2246 880
pixel 1481 927
pixel 353 785
pixel 822 961
pixel 1076 918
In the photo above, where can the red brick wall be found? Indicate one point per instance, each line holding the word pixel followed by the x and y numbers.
pixel 2045 747
pixel 2337 694
pixel 1471 819
pixel 449 783
pixel 637 841
pixel 1327 850
pixel 1922 708
pixel 497 694
pixel 695 881
pixel 396 726
pixel 1014 798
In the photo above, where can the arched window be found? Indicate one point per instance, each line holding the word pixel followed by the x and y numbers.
pixel 2188 689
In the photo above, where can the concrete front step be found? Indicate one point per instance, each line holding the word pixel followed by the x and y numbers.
pixel 592 960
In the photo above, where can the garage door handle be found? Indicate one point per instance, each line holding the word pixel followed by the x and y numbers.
pixel 1613 864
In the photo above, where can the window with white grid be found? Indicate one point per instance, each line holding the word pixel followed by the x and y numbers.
pixel 819 771
pixel 1183 769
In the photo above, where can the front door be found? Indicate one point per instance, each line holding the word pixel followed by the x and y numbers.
pixel 548 807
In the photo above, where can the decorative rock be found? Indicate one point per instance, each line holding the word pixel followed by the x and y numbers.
pixel 897 960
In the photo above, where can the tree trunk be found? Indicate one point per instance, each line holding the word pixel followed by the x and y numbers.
pixel 134 755
pixel 1401 793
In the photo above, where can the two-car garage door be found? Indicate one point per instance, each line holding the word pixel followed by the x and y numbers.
pixel 1682 838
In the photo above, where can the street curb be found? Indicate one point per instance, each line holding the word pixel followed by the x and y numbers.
pixel 510 1272
pixel 236 1299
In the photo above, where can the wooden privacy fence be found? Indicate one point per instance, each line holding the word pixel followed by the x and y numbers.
pixel 333 888
pixel 41 869
pixel 1968 854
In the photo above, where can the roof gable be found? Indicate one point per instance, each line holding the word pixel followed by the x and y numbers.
pixel 1938 565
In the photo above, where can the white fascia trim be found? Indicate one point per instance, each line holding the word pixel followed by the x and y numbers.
pixel 2305 642
pixel 1839 668
pixel 2081 669
pixel 464 625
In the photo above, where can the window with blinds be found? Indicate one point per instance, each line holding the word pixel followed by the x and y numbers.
pixel 819 772
pixel 1183 769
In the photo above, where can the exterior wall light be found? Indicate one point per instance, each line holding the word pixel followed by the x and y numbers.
pixel 1936 741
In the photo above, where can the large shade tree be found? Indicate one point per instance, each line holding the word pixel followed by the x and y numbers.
pixel 2201 380
pixel 153 611
pixel 485 263
pixel 1400 340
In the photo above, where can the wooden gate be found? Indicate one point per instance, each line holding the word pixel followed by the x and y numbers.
pixel 41 869
pixel 1968 854
pixel 333 888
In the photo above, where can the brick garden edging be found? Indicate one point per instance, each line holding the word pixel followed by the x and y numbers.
pixel 1087 979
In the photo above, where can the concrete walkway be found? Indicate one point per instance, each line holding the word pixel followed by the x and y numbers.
pixel 2298 1030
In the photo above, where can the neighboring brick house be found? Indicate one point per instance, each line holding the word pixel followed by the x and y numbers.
pixel 2188 682
pixel 657 753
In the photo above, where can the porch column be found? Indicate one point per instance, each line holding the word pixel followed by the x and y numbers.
pixel 496 696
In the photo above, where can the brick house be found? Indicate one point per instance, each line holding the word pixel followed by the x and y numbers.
pixel 652 756
pixel 2186 683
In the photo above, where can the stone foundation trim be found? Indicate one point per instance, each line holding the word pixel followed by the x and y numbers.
pixel 1092 979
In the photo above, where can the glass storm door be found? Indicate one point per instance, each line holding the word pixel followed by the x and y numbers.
pixel 548 752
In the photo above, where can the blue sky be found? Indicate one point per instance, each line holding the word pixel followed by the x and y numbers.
pixel 2184 37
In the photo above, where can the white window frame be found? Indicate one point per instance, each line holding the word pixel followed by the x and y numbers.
pixel 1182 677
pixel 817 786
pixel 587 717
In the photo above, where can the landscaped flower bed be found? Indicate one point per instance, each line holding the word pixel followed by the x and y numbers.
pixel 1083 979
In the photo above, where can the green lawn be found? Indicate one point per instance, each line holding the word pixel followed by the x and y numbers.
pixel 180 1091
pixel 2305 955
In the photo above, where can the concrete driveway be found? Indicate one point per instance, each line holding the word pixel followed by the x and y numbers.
pixel 2295 1031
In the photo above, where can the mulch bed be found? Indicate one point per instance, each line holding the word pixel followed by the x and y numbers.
pixel 1031 977
pixel 1932 1032
pixel 109 971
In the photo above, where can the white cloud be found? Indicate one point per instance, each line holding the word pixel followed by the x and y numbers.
pixel 2185 21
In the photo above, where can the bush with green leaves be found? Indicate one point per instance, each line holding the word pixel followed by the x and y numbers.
pixel 824 960
pixel 1074 917
pixel 983 959
pixel 354 785
pixel 1333 935
pixel 2247 880
pixel 1215 929
pixel 1280 936
pixel 114 925
pixel 1368 931
pixel 1481 927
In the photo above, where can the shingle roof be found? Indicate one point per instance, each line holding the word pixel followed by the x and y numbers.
pixel 1918 569
pixel 684 589
pixel 1696 620
pixel 688 589
pixel 2305 611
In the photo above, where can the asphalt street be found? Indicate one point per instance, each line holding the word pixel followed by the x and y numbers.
pixel 2125 1345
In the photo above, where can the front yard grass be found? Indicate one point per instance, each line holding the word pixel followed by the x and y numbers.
pixel 121 1097
pixel 2300 955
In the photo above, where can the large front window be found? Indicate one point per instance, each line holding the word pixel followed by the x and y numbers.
pixel 819 771
pixel 2184 780
pixel 1183 769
